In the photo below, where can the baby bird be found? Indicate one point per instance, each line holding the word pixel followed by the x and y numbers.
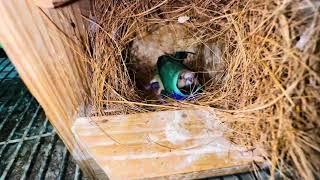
pixel 156 85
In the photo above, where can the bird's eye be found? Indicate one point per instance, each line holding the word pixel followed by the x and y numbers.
pixel 155 85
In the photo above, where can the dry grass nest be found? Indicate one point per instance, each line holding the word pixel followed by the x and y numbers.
pixel 270 93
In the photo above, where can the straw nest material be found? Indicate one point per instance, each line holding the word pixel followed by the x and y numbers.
pixel 268 89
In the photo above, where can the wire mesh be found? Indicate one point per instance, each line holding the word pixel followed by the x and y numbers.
pixel 29 146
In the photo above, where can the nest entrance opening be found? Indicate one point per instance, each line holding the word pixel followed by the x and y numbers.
pixel 204 60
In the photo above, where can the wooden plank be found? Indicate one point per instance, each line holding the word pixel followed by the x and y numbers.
pixel 46 47
pixel 185 143
pixel 52 3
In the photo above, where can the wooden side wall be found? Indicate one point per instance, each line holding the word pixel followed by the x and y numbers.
pixel 45 45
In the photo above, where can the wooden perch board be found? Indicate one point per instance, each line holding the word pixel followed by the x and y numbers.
pixel 180 144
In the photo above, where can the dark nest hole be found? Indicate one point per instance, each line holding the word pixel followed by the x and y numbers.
pixel 141 73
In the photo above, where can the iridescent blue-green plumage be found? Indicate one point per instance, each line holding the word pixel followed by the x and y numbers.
pixel 169 69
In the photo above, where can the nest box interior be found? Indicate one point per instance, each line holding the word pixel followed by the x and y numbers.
pixel 190 142
pixel 203 59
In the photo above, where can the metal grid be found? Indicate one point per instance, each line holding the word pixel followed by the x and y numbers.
pixel 29 146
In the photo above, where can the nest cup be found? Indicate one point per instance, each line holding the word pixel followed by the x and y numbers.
pixel 165 41
pixel 257 60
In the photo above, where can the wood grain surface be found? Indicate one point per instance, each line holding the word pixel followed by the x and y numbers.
pixel 172 144
pixel 52 3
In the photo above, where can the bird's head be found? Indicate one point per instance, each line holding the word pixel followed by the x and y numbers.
pixel 187 78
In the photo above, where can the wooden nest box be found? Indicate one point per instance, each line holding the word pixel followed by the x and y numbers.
pixel 43 39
